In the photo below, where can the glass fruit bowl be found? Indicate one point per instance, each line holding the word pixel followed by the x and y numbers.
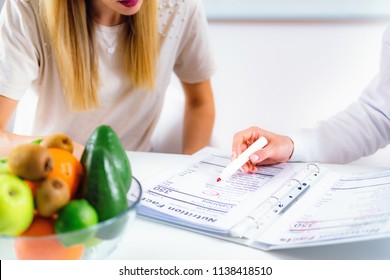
pixel 95 242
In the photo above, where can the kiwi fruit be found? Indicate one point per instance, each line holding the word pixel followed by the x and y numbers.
pixel 51 195
pixel 30 162
pixel 58 141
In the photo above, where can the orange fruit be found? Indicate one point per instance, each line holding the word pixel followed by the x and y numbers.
pixel 43 246
pixel 40 227
pixel 33 186
pixel 67 167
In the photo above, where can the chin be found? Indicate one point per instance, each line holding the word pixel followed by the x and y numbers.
pixel 129 10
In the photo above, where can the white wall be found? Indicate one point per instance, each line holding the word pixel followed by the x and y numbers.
pixel 286 75
pixel 297 9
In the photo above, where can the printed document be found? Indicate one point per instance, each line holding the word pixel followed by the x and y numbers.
pixel 280 206
pixel 190 194
pixel 356 205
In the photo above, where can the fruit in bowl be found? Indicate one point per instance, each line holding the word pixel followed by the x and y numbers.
pixel 16 205
pixel 41 241
pixel 75 209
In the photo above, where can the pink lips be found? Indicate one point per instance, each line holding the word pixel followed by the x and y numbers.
pixel 129 3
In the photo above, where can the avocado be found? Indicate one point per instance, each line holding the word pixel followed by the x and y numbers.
pixel 105 137
pixel 102 184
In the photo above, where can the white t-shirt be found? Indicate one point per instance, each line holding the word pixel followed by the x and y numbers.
pixel 28 73
pixel 359 130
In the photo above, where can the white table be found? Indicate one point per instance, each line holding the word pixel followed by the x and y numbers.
pixel 148 240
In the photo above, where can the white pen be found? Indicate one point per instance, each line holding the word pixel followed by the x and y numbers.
pixel 242 159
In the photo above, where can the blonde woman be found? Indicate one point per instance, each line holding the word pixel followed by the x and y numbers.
pixel 72 65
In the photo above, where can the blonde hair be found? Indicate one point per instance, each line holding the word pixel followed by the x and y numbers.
pixel 70 29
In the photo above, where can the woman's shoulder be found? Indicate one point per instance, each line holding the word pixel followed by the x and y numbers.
pixel 20 19
pixel 23 5
pixel 185 5
pixel 193 5
pixel 21 10
pixel 180 11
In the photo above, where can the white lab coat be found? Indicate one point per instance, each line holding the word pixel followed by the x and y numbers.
pixel 360 130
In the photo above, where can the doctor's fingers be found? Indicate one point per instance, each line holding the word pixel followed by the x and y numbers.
pixel 278 150
pixel 243 139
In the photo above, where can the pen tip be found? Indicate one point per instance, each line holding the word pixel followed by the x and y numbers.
pixel 219 179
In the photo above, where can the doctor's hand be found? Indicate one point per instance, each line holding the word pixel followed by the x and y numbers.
pixel 279 148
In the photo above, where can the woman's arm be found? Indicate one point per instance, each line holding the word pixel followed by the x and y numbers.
pixel 199 116
pixel 7 139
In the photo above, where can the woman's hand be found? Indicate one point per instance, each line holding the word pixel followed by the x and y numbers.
pixel 279 148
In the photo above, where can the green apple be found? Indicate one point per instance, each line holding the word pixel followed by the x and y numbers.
pixel 4 167
pixel 16 205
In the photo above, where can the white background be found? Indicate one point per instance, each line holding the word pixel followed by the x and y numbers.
pixel 294 9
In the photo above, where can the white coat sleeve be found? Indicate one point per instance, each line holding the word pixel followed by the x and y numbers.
pixel 359 130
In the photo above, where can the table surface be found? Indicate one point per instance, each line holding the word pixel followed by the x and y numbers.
pixel 146 240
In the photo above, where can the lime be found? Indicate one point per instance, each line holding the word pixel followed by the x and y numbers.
pixel 76 215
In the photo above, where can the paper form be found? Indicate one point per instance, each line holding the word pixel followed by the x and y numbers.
pixel 354 206
pixel 190 195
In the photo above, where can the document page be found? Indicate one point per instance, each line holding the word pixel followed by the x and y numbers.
pixel 189 194
pixel 356 206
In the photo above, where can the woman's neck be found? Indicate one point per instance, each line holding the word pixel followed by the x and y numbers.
pixel 103 15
